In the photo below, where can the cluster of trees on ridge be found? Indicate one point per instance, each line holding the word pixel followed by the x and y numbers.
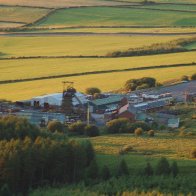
pixel 158 48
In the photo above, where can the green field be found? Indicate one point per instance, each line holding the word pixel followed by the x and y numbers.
pixel 191 46
pixel 74 45
pixel 26 90
pixel 172 7
pixel 164 1
pixel 96 16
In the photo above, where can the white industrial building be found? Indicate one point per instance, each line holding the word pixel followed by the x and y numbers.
pixel 56 99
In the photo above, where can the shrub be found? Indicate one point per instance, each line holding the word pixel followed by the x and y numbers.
pixel 143 86
pixel 148 170
pixel 193 77
pixel 174 169
pixel 91 131
pixel 184 78
pixel 105 173
pixel 122 169
pixel 133 126
pixel 55 126
pixel 93 170
pixel 151 133
pixel 140 83
pixel 193 153
pixel 117 125
pixel 92 90
pixel 163 167
pixel 138 131
pixel 77 128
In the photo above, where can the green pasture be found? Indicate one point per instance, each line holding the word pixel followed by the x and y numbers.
pixel 106 82
pixel 191 46
pixel 97 16
pixel 171 7
pixel 75 45
pixel 164 1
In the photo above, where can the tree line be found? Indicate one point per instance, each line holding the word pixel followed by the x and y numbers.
pixel 157 48
pixel 29 158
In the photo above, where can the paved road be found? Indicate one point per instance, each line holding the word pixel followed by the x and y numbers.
pixel 178 91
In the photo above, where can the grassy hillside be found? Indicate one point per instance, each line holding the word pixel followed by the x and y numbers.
pixel 26 90
pixel 57 3
pixel 117 16
pixel 21 14
pixel 74 45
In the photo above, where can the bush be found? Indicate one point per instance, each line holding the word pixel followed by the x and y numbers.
pixel 105 173
pixel 93 170
pixel 151 133
pixel 92 90
pixel 117 125
pixel 143 86
pixel 77 128
pixel 54 126
pixel 133 126
pixel 174 169
pixel 148 170
pixel 91 131
pixel 163 167
pixel 141 83
pixel 122 169
pixel 193 77
pixel 184 78
pixel 193 153
pixel 138 131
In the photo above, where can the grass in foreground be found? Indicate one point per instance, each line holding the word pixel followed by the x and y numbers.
pixel 106 82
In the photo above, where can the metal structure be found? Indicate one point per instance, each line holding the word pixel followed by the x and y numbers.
pixel 68 93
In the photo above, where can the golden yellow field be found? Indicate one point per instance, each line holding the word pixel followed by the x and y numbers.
pixel 107 82
pixel 118 30
pixel 75 45
pixel 29 68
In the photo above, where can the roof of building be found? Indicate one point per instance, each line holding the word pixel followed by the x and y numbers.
pixel 108 100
